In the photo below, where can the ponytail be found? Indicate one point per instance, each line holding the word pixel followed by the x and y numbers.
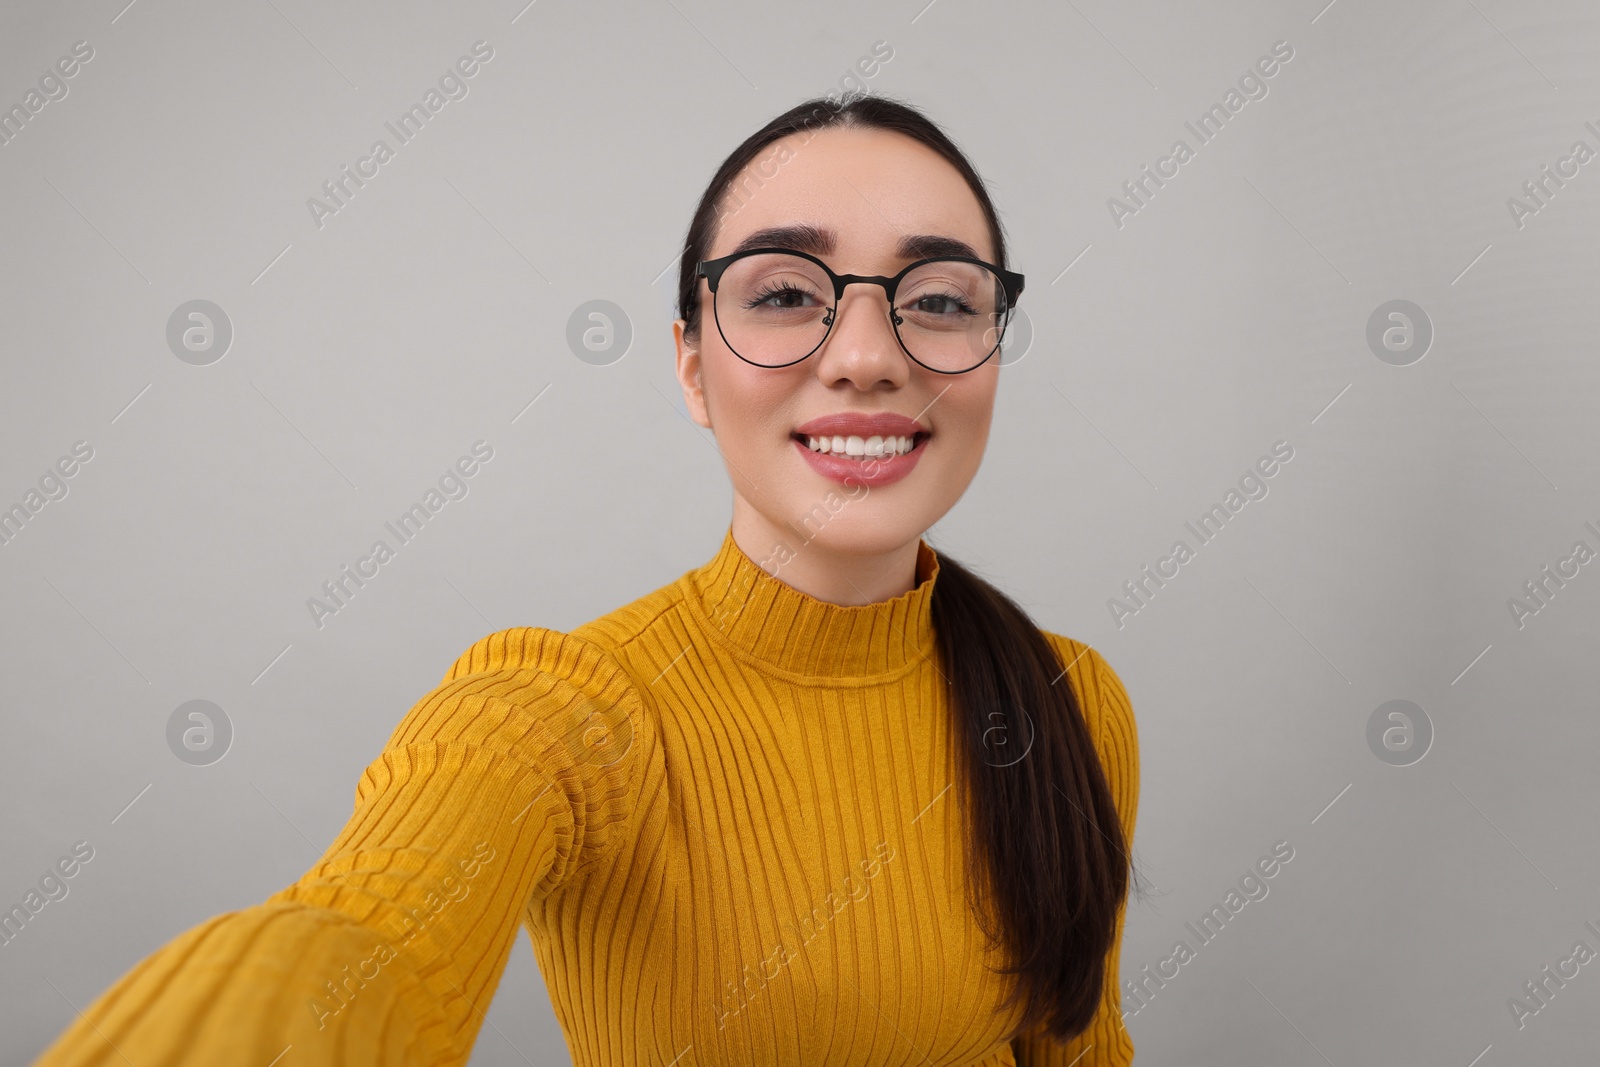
pixel 1044 836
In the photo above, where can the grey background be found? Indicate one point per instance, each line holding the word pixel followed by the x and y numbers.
pixel 1228 314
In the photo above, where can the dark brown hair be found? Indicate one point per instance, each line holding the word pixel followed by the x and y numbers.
pixel 1044 837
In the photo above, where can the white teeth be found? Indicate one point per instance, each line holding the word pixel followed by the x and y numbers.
pixel 861 448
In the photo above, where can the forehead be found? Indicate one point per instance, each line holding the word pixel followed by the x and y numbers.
pixel 867 195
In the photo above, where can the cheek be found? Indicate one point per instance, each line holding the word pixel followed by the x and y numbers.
pixel 969 411
pixel 749 406
pixel 965 431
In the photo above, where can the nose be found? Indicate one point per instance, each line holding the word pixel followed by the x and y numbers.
pixel 861 345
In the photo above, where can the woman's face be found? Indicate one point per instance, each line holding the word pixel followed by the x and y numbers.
pixel 864 192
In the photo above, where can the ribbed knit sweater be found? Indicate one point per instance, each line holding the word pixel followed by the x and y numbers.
pixel 725 814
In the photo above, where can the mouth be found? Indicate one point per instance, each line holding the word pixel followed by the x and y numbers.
pixel 861 449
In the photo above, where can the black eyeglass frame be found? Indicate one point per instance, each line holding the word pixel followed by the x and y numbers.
pixel 711 270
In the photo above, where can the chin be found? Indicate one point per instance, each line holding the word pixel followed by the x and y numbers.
pixel 861 527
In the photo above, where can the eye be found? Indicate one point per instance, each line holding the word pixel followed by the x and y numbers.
pixel 941 304
pixel 781 295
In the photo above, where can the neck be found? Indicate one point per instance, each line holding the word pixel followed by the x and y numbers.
pixel 804 560
pixel 763 620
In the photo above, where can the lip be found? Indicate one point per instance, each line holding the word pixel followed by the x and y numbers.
pixel 872 472
pixel 844 424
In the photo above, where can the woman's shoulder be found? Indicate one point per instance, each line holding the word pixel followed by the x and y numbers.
pixel 597 669
pixel 571 681
pixel 559 704
pixel 1099 688
pixel 1109 715
pixel 558 701
pixel 575 657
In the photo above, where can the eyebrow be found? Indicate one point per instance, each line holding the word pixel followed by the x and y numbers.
pixel 804 237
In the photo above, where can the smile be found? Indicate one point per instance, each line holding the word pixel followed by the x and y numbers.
pixel 853 447
pixel 853 460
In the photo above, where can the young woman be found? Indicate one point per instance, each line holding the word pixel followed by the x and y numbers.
pixel 828 798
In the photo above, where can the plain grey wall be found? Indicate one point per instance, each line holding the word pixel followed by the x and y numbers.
pixel 1243 303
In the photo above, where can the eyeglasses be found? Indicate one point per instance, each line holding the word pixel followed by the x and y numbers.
pixel 775 306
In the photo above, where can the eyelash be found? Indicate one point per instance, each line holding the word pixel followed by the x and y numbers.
pixel 772 291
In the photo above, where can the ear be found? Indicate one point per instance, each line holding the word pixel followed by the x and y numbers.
pixel 690 376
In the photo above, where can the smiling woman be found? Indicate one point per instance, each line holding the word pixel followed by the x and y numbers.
pixel 894 364
pixel 851 816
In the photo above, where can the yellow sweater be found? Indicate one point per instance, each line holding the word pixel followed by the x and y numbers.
pixel 725 814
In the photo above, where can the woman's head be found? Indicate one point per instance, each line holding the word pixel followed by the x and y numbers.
pixel 868 186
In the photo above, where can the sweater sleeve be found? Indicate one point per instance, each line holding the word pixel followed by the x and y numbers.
pixel 1106 1042
pixel 520 768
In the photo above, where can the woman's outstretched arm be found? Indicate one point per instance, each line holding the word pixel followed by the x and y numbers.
pixel 524 765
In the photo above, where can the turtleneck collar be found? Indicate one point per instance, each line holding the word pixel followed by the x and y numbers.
pixel 769 622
